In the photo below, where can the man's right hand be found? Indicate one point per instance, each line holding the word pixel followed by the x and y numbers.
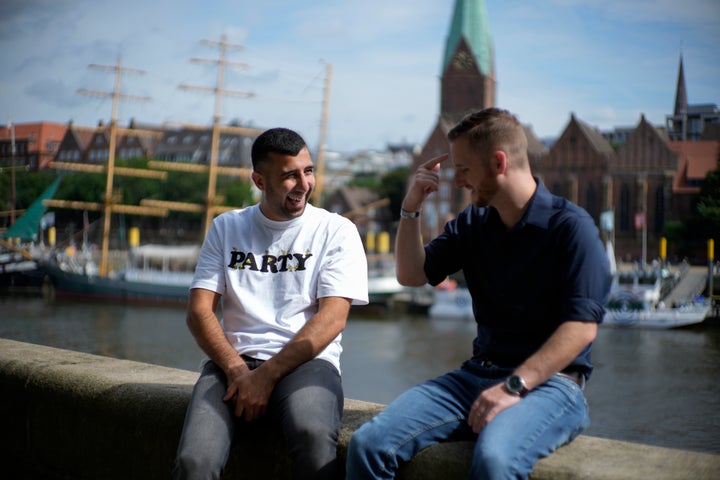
pixel 425 182
pixel 250 391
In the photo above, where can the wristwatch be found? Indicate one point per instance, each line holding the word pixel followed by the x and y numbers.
pixel 408 214
pixel 516 385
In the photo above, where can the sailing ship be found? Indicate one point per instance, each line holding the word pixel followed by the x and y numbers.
pixel 19 248
pixel 157 273
pixel 153 273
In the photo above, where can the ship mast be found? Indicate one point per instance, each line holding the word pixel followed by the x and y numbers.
pixel 320 167
pixel 219 91
pixel 108 206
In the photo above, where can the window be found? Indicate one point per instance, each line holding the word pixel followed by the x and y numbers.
pixel 624 208
pixel 659 209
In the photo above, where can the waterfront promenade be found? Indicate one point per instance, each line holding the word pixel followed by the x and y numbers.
pixel 74 415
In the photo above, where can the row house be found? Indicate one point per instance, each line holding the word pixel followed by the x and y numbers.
pixel 185 144
pixel 193 145
pixel 31 145
pixel 92 145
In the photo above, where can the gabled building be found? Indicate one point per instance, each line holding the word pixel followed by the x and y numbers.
pixel 35 144
pixel 576 165
pixel 641 180
pixel 192 145
pixel 92 145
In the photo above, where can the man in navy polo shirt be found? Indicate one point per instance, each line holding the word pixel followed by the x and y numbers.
pixel 539 277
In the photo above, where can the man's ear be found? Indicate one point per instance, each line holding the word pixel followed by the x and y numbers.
pixel 258 180
pixel 499 162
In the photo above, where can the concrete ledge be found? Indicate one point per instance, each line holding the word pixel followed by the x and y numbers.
pixel 69 415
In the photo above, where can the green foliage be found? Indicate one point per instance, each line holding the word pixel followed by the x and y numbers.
pixel 392 186
pixel 366 180
pixel 708 204
pixel 28 186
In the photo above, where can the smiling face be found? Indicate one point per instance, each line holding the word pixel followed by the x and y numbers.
pixel 286 182
pixel 473 171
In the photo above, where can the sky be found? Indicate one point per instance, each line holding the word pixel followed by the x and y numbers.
pixel 606 61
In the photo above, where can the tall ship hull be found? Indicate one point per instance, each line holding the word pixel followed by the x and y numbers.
pixel 156 274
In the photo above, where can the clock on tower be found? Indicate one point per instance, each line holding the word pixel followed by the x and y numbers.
pixel 463 61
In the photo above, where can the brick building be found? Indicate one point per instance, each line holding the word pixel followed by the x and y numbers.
pixel 646 175
pixel 36 144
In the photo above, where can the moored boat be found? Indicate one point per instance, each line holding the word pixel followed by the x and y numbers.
pixel 155 274
pixel 636 301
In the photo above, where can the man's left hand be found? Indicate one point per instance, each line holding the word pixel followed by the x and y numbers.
pixel 488 404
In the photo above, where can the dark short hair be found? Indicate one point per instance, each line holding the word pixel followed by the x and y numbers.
pixel 275 140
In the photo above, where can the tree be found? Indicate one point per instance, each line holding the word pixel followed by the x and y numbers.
pixel 392 186
pixel 708 204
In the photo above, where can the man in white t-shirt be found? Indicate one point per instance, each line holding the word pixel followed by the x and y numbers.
pixel 287 273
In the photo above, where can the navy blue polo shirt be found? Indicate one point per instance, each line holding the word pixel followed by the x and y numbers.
pixel 549 268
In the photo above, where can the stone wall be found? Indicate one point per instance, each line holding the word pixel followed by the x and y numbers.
pixel 73 416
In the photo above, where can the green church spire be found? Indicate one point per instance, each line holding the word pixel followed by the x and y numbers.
pixel 470 21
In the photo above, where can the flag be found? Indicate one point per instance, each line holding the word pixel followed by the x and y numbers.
pixel 607 220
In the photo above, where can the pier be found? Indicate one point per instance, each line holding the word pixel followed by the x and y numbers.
pixel 70 415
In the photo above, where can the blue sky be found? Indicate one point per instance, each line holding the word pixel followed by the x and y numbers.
pixel 608 61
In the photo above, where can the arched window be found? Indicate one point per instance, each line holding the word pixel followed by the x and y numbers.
pixel 659 209
pixel 591 201
pixel 624 208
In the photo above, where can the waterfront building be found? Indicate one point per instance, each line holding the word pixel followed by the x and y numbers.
pixel 91 144
pixel 193 145
pixel 646 175
pixel 35 144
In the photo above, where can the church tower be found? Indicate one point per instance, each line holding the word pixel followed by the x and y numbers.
pixel 677 123
pixel 467 83
pixel 468 69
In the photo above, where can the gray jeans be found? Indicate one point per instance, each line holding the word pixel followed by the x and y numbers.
pixel 307 404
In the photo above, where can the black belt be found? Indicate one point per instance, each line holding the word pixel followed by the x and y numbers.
pixel 574 375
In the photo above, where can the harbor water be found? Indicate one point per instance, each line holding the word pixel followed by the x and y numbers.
pixel 658 387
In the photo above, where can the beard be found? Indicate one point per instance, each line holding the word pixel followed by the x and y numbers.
pixel 483 194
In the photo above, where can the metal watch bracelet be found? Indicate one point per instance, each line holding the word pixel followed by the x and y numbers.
pixel 408 214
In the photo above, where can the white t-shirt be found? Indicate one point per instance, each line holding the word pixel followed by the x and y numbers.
pixel 271 274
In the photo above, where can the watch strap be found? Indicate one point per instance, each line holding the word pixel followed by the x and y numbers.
pixel 408 214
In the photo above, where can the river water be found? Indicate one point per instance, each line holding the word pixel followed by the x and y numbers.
pixel 655 387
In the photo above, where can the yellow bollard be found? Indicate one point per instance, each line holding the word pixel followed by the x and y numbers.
pixel 711 249
pixel 383 242
pixel 370 242
pixel 134 236
pixel 51 236
pixel 663 248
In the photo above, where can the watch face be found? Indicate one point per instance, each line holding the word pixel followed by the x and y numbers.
pixel 515 384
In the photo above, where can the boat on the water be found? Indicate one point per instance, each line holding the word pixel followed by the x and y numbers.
pixel 20 251
pixel 154 274
pixel 451 301
pixel 636 301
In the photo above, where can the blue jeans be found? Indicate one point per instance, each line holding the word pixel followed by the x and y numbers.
pixel 307 404
pixel 550 416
